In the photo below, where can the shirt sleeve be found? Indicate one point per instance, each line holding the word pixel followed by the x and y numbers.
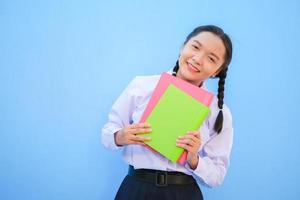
pixel 215 155
pixel 120 115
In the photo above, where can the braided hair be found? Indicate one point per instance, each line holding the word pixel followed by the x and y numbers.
pixel 222 74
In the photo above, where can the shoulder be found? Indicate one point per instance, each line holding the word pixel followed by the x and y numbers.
pixel 143 83
pixel 141 87
pixel 144 80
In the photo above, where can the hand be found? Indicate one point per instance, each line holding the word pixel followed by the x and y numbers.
pixel 130 134
pixel 190 142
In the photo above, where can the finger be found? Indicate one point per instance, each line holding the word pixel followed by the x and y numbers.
pixel 184 146
pixel 191 137
pixel 141 130
pixel 187 141
pixel 195 133
pixel 136 142
pixel 193 141
pixel 188 136
pixel 190 148
pixel 140 125
pixel 141 138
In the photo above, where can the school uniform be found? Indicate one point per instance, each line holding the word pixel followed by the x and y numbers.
pixel 144 183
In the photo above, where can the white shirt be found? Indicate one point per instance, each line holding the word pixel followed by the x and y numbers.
pixel 214 152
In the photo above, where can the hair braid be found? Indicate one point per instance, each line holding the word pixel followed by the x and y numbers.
pixel 219 120
pixel 175 69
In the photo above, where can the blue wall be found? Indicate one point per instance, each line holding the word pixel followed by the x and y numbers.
pixel 63 63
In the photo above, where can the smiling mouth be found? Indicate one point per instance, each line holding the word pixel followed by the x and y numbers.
pixel 192 67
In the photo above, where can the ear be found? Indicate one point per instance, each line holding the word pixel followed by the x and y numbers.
pixel 217 72
pixel 180 50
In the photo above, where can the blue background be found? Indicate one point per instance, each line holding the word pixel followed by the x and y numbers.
pixel 63 64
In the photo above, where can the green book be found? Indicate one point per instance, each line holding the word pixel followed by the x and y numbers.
pixel 174 115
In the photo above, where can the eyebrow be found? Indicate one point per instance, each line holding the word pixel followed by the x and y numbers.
pixel 210 52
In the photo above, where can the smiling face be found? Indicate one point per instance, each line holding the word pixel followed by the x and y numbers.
pixel 201 57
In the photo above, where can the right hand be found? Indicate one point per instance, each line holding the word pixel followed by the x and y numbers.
pixel 130 134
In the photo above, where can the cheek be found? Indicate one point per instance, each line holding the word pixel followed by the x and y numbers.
pixel 182 59
pixel 184 55
pixel 211 71
pixel 181 63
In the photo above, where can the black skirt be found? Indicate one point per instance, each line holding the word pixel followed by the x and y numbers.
pixel 136 189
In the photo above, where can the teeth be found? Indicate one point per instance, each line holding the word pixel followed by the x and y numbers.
pixel 193 67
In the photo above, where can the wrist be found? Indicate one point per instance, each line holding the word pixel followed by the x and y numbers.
pixel 117 138
pixel 193 161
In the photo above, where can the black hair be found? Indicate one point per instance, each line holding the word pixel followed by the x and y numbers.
pixel 223 72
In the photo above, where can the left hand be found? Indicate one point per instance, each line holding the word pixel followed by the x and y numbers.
pixel 190 142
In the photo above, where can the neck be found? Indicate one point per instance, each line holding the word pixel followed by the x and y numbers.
pixel 197 83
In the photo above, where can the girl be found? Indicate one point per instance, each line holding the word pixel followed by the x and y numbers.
pixel 206 53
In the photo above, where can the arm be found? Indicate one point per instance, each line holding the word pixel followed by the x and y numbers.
pixel 117 131
pixel 211 163
pixel 119 116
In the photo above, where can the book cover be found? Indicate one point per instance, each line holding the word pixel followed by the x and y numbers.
pixel 175 113
pixel 165 80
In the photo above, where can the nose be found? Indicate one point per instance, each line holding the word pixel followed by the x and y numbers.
pixel 198 58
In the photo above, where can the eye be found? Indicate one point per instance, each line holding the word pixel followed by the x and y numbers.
pixel 195 47
pixel 211 59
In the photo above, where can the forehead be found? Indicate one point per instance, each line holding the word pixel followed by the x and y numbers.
pixel 211 42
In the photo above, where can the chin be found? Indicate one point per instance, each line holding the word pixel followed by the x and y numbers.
pixel 188 75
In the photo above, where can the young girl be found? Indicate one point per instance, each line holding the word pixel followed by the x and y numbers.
pixel 206 53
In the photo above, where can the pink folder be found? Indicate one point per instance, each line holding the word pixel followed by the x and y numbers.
pixel 165 80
